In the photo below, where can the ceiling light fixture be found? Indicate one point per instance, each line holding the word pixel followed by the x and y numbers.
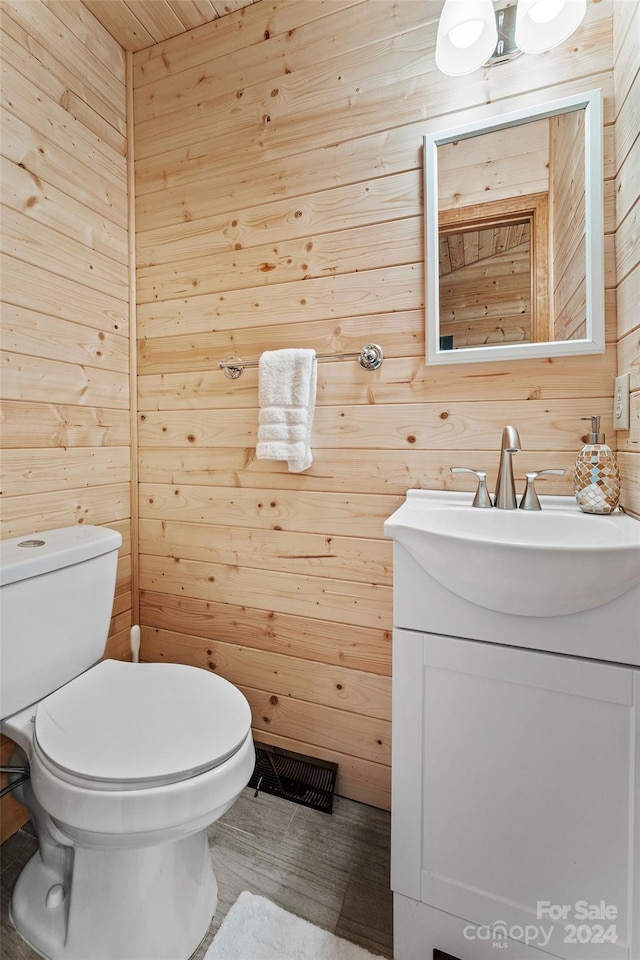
pixel 471 33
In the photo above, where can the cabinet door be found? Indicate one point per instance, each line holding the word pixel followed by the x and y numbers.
pixel 514 778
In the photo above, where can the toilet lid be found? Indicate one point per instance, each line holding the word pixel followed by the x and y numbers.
pixel 121 724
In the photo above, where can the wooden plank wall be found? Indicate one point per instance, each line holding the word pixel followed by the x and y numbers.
pixel 279 204
pixel 65 291
pixel 494 166
pixel 567 190
pixel 503 281
pixel 626 75
pixel 482 172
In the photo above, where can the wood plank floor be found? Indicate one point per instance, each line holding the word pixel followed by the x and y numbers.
pixel 330 870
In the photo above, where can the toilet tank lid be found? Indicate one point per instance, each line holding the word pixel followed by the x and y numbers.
pixel 37 553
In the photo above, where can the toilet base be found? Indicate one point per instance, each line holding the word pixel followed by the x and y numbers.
pixel 150 903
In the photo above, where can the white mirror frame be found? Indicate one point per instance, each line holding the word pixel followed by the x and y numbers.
pixel 591 103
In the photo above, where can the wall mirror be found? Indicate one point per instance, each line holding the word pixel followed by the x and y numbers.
pixel 514 235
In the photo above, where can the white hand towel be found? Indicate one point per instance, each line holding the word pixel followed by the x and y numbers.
pixel 287 396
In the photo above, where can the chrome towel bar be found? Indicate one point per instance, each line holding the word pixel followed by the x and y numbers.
pixel 369 358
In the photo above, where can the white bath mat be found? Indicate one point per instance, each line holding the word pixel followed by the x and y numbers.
pixel 256 929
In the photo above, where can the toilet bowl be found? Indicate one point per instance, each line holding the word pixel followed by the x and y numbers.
pixel 130 764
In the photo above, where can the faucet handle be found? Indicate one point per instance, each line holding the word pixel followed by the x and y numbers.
pixel 482 497
pixel 530 497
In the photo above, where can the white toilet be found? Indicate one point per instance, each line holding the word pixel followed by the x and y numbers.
pixel 130 763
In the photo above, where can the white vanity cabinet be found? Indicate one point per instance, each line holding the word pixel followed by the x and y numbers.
pixel 513 784
pixel 516 779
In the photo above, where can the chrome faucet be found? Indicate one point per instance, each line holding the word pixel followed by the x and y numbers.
pixel 505 487
pixel 505 498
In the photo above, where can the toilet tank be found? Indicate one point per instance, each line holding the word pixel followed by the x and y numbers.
pixel 56 596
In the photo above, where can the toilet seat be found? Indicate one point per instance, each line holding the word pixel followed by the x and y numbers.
pixel 124 726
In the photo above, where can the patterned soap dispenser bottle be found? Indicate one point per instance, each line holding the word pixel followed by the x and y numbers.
pixel 596 480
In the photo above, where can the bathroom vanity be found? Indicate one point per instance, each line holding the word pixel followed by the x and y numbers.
pixel 516 739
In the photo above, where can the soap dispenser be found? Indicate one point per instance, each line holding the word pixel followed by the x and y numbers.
pixel 596 480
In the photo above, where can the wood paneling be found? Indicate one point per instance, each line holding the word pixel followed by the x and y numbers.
pixel 566 197
pixel 342 688
pixel 626 31
pixel 364 560
pixel 137 24
pixel 279 204
pixel 325 642
pixel 65 291
pixel 499 271
pixel 496 166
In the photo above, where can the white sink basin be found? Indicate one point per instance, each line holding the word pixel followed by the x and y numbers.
pixel 545 563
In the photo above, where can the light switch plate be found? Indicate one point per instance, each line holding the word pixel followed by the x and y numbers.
pixel 621 402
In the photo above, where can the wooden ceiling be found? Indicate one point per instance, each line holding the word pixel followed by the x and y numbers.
pixel 136 24
pixel 459 249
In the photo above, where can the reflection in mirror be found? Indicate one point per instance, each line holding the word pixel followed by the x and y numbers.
pixel 494 274
pixel 514 235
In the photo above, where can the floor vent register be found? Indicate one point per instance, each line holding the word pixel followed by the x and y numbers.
pixel 301 779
